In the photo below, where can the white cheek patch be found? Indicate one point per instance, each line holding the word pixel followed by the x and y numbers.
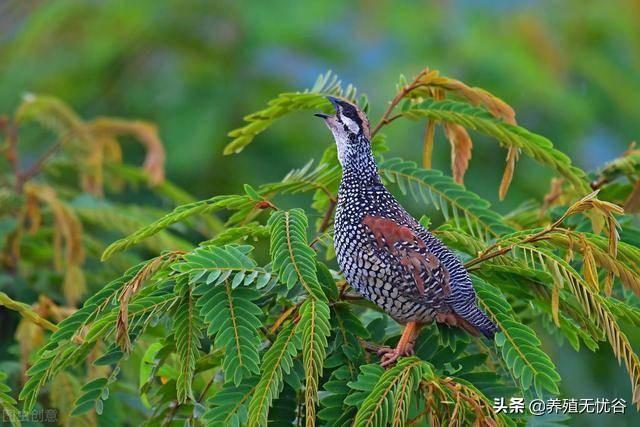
pixel 353 126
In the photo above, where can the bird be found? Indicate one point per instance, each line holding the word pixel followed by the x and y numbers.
pixel 385 254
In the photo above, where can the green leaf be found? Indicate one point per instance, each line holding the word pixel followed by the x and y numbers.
pixel 276 363
pixel 229 406
pixel 521 348
pixel 388 399
pixel 8 410
pixel 291 255
pixel 93 395
pixel 55 355
pixel 313 329
pixel 234 320
pixel 335 412
pixel 321 178
pixel 178 214
pixel 214 265
pixel 535 146
pixel 252 230
pixel 187 334
pixel 314 98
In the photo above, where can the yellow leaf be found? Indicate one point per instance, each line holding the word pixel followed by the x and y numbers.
pixel 461 146
pixel 555 192
pixel 512 157
pixel 589 267
pixel 614 237
pixel 608 284
pixel 427 145
pixel 145 133
pixel 74 285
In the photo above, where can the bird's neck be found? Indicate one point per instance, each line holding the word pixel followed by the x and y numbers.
pixel 359 166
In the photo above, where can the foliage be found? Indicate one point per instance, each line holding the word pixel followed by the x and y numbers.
pixel 235 320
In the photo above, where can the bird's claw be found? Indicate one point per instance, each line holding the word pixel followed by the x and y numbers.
pixel 390 355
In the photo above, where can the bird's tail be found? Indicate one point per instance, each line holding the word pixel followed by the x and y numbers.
pixel 474 321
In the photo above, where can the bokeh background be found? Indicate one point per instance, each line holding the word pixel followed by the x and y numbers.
pixel 571 70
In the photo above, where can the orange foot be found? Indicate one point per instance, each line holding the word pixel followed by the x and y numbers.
pixel 405 346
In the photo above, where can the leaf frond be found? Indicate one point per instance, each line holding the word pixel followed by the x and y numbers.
pixel 314 98
pixel 535 146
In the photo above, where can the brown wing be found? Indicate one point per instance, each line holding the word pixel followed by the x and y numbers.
pixel 411 251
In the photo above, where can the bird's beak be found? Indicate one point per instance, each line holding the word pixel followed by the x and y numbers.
pixel 334 101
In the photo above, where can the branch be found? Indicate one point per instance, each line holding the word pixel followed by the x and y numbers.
pixel 490 253
pixel 386 119
pixel 587 202
pixel 35 169
pixel 327 216
pixel 11 135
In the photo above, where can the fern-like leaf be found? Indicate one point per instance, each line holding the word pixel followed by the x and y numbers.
pixel 226 304
pixel 291 255
pixel 252 231
pixel 276 363
pixel 334 410
pixel 389 398
pixel 179 214
pixel 536 146
pixel 521 348
pixel 314 329
pixel 233 317
pixel 322 178
pixel 229 406
pixel 213 265
pixel 314 98
pixel 594 305
pixel 186 331
pixel 52 356
pixel 94 393
pixel 8 409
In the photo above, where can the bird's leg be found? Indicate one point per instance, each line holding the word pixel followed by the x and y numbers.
pixel 404 347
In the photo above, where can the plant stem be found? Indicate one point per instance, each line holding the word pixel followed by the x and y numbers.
pixel 488 254
pixel 327 216
pixel 386 119
pixel 35 169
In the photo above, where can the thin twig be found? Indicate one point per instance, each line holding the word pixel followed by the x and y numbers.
pixel 488 253
pixel 169 418
pixel 327 216
pixel 284 316
pixel 206 389
pixel 343 289
pixel 371 347
pixel 11 135
pixel 385 120
pixel 35 169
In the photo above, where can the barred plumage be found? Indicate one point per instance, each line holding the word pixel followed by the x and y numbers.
pixel 384 253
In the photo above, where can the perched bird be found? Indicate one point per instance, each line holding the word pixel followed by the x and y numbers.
pixel 385 254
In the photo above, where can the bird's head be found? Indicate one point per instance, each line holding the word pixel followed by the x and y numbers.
pixel 349 126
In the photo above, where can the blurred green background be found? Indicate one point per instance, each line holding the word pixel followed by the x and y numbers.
pixel 571 70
